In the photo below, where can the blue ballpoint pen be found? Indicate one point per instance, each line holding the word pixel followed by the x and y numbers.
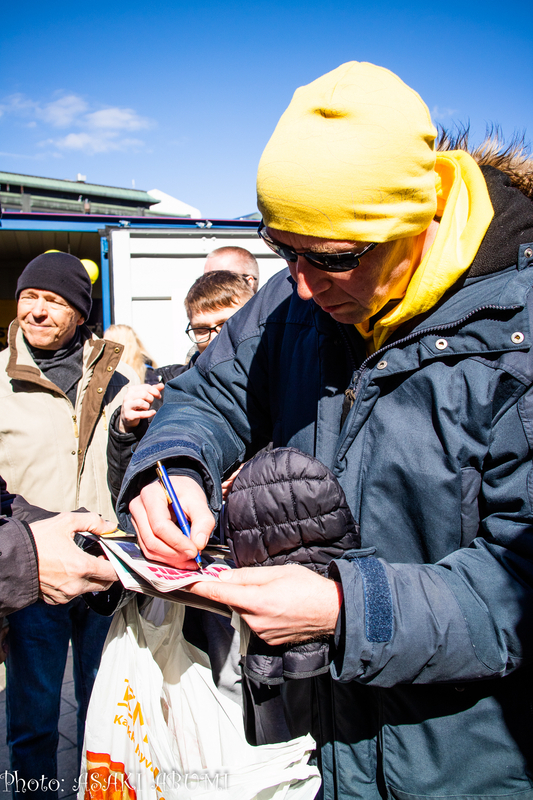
pixel 173 501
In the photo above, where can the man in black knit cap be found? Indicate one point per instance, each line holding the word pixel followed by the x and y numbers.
pixel 59 386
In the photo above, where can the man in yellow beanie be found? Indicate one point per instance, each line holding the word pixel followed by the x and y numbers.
pixel 397 350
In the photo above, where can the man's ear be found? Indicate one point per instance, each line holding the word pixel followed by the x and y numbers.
pixel 80 321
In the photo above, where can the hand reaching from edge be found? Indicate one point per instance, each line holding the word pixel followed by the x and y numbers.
pixel 65 570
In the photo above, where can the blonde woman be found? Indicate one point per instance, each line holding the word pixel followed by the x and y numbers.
pixel 135 353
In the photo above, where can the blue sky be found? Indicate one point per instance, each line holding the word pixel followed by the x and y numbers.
pixel 183 97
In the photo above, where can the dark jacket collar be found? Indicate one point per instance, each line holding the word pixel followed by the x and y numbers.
pixel 511 226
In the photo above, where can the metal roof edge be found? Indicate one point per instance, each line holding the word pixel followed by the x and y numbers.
pixel 79 187
pixel 16 220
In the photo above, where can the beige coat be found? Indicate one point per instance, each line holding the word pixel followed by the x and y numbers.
pixel 53 453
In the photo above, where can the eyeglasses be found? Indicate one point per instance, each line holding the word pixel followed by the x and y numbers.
pixel 201 335
pixel 329 262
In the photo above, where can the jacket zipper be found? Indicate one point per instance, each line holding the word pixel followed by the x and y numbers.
pixel 349 393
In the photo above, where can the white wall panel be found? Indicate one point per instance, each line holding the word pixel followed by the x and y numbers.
pixel 152 273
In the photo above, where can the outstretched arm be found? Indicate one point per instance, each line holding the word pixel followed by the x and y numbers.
pixel 281 604
pixel 40 559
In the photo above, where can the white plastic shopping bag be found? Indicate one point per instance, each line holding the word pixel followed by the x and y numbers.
pixel 159 729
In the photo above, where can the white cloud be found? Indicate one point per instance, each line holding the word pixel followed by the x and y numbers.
pixel 92 130
pixel 99 142
pixel 33 156
pixel 63 112
pixel 119 119
pixel 443 113
pixel 18 105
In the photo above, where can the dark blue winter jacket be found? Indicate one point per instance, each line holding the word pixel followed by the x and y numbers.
pixel 431 690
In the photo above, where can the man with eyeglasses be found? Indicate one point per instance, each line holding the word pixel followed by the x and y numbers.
pixel 211 301
pixel 396 350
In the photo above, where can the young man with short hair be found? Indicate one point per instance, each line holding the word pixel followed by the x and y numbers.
pixel 211 301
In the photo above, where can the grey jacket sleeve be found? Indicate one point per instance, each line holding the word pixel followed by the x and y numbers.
pixel 19 573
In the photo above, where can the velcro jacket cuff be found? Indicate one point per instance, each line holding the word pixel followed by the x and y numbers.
pixel 366 618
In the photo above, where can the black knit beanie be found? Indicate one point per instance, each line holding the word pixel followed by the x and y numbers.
pixel 60 273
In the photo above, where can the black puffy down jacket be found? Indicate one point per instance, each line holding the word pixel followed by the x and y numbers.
pixel 286 507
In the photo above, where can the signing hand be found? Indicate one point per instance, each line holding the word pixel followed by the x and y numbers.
pixel 281 604
pixel 136 405
pixel 66 571
pixel 159 536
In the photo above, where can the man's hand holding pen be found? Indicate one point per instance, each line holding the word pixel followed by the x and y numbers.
pixel 159 536
pixel 174 503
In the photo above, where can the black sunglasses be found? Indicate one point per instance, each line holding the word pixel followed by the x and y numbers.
pixel 329 262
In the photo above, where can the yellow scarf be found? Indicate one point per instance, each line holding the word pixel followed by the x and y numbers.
pixel 464 205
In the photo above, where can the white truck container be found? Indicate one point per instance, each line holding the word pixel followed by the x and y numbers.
pixel 150 270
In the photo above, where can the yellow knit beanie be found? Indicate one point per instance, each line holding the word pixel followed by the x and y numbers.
pixel 352 158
